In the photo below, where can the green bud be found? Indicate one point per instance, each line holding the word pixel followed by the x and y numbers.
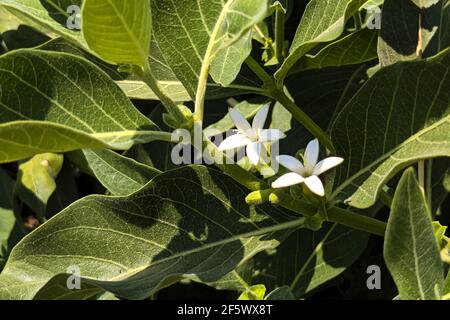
pixel 171 122
pixel 314 222
pixel 258 197
pixel 277 196
pixel 125 68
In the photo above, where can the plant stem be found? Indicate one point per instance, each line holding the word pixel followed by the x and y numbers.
pixel 171 107
pixel 272 91
pixel 260 72
pixel 356 221
pixel 305 120
pixel 386 198
pixel 279 35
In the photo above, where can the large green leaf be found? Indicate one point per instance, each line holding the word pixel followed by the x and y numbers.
pixel 308 259
pixel 410 248
pixel 191 34
pixel 118 31
pixel 119 174
pixel 400 116
pixel 191 222
pixel 36 180
pixel 48 15
pixel 355 48
pixel 332 16
pixel 55 102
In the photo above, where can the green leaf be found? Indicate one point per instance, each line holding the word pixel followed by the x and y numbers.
pixel 192 223
pixel 227 64
pixel 36 180
pixel 119 174
pixel 333 16
pixel 392 126
pixel 410 248
pixel 118 31
pixel 175 90
pixel 190 34
pixel 56 102
pixel 62 45
pixel 355 48
pixel 47 15
pixel 256 292
pixel 307 259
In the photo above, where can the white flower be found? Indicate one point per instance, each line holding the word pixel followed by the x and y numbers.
pixel 308 172
pixel 252 137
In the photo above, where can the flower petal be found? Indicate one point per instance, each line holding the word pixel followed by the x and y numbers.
pixel 311 155
pixel 326 164
pixel 254 152
pixel 234 141
pixel 260 118
pixel 315 185
pixel 271 135
pixel 239 120
pixel 291 163
pixel 288 179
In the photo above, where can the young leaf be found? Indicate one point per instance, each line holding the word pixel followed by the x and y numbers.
pixel 333 16
pixel 192 34
pixel 36 180
pixel 191 222
pixel 410 248
pixel 396 127
pixel 118 31
pixel 120 175
pixel 55 102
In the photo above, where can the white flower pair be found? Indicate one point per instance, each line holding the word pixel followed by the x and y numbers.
pixel 253 138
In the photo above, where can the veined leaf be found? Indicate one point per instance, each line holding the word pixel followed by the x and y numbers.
pixel 308 259
pixel 190 34
pixel 137 89
pixel 227 64
pixel 63 103
pixel 36 180
pixel 118 31
pixel 119 174
pixel 410 248
pixel 355 48
pixel 333 15
pixel 48 15
pixel 191 222
pixel 392 126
